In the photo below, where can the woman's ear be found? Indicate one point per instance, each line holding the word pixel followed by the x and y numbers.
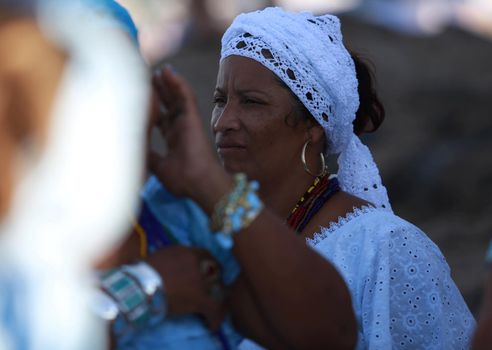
pixel 316 133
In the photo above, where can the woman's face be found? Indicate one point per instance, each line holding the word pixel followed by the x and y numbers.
pixel 249 121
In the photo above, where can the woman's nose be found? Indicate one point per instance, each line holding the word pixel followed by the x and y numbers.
pixel 225 119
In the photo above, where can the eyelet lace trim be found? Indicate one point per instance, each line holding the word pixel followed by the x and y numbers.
pixel 342 220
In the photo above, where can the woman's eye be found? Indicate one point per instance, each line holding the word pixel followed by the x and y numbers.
pixel 218 100
pixel 251 101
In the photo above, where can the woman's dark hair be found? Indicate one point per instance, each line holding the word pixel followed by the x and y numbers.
pixel 370 114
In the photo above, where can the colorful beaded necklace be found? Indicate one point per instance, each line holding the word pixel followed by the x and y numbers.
pixel 311 202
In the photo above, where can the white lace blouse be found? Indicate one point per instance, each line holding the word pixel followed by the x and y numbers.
pixel 402 292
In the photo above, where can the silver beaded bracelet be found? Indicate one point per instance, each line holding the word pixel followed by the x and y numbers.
pixel 131 297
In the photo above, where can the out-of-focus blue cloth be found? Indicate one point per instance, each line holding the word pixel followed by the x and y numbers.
pixel 190 226
pixel 13 327
pixel 118 12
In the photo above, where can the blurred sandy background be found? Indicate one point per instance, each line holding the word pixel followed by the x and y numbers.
pixel 434 72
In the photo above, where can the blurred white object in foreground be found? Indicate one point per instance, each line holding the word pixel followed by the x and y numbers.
pixel 73 204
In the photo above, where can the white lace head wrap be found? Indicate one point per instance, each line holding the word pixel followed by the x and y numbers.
pixel 307 53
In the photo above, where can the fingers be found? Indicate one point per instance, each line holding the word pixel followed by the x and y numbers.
pixel 210 271
pixel 166 105
pixel 170 92
pixel 214 314
pixel 209 268
pixel 166 88
pixel 180 89
pixel 175 95
pixel 203 254
pixel 214 292
pixel 156 164
pixel 185 91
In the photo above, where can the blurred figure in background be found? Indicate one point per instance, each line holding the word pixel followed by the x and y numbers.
pixel 483 334
pixel 70 128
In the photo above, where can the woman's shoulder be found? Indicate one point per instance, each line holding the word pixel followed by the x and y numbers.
pixel 346 212
pixel 372 231
pixel 369 238
pixel 340 206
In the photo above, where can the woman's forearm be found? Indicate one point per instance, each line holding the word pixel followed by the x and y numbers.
pixel 299 293
pixel 248 318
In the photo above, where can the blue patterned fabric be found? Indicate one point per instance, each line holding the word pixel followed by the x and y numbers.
pixel 189 226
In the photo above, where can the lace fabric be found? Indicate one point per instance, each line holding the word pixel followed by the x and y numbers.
pixel 402 291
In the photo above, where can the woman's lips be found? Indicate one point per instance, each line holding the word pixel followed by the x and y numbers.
pixel 228 144
pixel 229 148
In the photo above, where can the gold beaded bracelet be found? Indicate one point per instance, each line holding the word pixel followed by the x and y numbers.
pixel 236 210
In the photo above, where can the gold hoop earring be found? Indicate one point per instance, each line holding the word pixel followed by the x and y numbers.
pixel 323 163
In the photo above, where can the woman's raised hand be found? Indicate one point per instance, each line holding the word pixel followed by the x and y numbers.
pixel 190 167
pixel 189 150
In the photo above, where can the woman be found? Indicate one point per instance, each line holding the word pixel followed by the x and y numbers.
pixel 286 95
